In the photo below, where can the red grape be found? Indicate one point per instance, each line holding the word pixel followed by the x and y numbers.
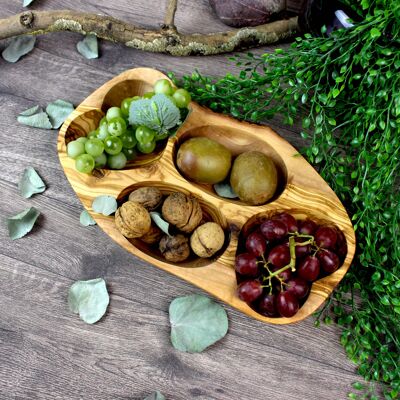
pixel 309 268
pixel 341 244
pixel 255 244
pixel 288 220
pixel 273 229
pixel 267 305
pixel 287 304
pixel 329 260
pixel 326 237
pixel 249 291
pixel 302 251
pixel 297 286
pixel 246 264
pixel 279 256
pixel 285 275
pixel 307 227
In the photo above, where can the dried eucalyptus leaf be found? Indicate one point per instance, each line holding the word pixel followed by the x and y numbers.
pixel 89 47
pixel 35 117
pixel 155 396
pixel 27 2
pixel 58 112
pixel 21 224
pixel 160 222
pixel 105 205
pixel 18 47
pixel 196 323
pixel 31 111
pixel 30 183
pixel 224 189
pixel 86 219
pixel 89 299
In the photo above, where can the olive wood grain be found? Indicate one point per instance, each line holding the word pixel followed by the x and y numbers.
pixel 302 192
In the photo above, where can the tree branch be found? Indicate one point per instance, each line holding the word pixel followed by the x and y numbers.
pixel 161 41
pixel 170 14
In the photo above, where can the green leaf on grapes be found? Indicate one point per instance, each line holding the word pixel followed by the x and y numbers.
pixel 58 111
pixel 224 189
pixel 89 299
pixel 30 183
pixel 27 2
pixel 160 222
pixel 89 47
pixel 155 396
pixel 197 322
pixel 105 205
pixel 21 224
pixel 86 219
pixel 18 47
pixel 35 117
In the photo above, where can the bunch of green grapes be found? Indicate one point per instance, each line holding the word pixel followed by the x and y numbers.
pixel 115 142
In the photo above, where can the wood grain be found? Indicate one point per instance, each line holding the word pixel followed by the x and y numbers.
pixel 303 193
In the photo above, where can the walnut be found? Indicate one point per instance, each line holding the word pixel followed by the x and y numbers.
pixel 175 248
pixel 153 235
pixel 207 239
pixel 132 220
pixel 182 211
pixel 149 197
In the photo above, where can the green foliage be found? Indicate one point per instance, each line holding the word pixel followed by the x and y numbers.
pixel 18 47
pixel 21 224
pixel 224 189
pixel 30 183
pixel 86 219
pixel 58 111
pixel 344 89
pixel 105 205
pixel 35 117
pixel 89 47
pixel 155 396
pixel 160 222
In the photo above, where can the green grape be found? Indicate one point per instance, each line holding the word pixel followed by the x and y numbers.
pixel 163 86
pixel 113 112
pixel 130 154
pixel 94 147
pixel 144 134
pixel 112 145
pixel 116 126
pixel 134 98
pixel 92 134
pixel 181 98
pixel 117 161
pixel 100 161
pixel 125 104
pixel 128 139
pixel 103 121
pixel 148 95
pixel 147 147
pixel 75 149
pixel 82 139
pixel 84 163
pixel 103 132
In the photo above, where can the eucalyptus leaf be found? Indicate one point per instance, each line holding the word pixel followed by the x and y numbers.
pixel 160 222
pixel 105 205
pixel 31 111
pixel 86 219
pixel 58 111
pixel 89 47
pixel 35 117
pixel 196 323
pixel 21 224
pixel 27 2
pixel 155 396
pixel 30 183
pixel 18 47
pixel 224 189
pixel 89 299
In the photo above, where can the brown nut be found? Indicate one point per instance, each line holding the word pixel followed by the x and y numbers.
pixel 182 211
pixel 207 239
pixel 132 220
pixel 153 235
pixel 175 248
pixel 149 197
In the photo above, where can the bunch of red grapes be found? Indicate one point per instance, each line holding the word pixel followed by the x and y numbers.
pixel 281 257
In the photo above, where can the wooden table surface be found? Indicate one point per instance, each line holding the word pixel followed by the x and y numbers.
pixel 48 353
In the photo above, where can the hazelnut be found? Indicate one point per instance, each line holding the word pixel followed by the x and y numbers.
pixel 175 248
pixel 149 197
pixel 207 239
pixel 132 220
pixel 182 211
pixel 153 235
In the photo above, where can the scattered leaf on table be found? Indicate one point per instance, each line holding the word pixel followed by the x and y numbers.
pixel 21 224
pixel 27 2
pixel 160 222
pixel 89 299
pixel 35 117
pixel 224 189
pixel 89 47
pixel 18 47
pixel 86 219
pixel 196 323
pixel 58 112
pixel 155 396
pixel 105 205
pixel 30 183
